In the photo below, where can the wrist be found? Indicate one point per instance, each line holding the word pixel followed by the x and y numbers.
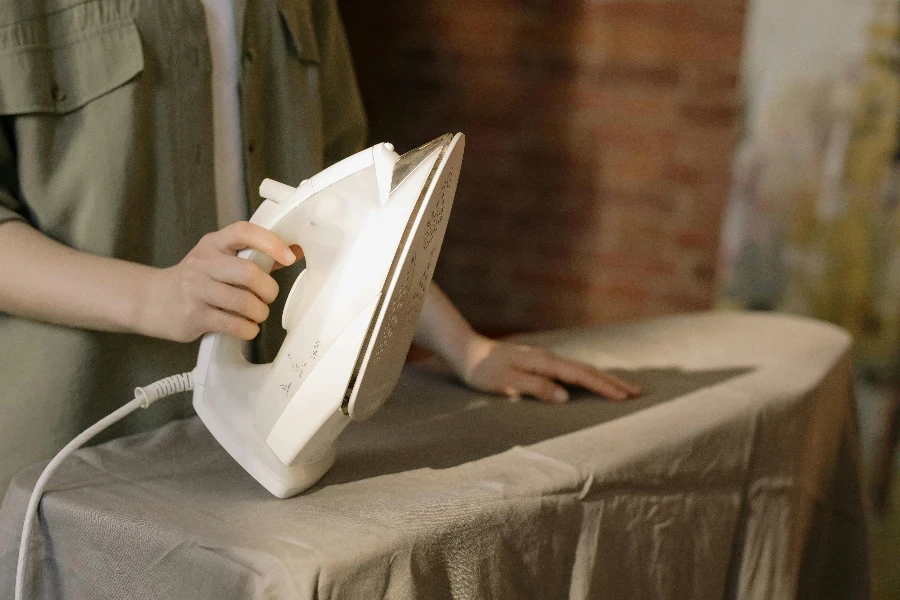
pixel 144 313
pixel 472 350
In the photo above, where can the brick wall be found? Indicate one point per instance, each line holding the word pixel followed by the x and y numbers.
pixel 599 142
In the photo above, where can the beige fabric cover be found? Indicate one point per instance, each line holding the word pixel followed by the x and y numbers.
pixel 736 476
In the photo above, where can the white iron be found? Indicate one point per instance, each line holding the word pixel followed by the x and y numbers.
pixel 371 227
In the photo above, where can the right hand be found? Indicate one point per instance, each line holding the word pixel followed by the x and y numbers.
pixel 212 290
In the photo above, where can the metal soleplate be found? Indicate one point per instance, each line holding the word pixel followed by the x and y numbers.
pixel 388 342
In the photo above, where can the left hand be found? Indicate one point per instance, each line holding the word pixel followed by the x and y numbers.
pixel 513 369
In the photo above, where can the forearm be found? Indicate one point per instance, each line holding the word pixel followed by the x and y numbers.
pixel 44 280
pixel 443 330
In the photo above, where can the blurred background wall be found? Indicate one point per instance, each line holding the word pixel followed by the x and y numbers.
pixel 787 41
pixel 599 148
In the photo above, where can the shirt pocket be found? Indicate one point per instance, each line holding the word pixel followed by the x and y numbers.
pixel 59 62
pixel 296 18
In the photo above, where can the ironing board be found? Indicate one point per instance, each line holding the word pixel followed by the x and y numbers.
pixel 736 476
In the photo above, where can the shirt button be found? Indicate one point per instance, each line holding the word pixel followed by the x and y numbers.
pixel 249 55
pixel 58 93
pixel 251 146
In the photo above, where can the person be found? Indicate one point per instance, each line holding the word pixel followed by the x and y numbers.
pixel 132 135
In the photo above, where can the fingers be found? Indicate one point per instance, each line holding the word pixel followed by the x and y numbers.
pixel 218 321
pixel 240 302
pixel 246 274
pixel 573 372
pixel 633 390
pixel 221 293
pixel 243 234
pixel 298 253
pixel 541 388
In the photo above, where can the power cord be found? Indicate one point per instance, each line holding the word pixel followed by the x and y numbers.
pixel 143 397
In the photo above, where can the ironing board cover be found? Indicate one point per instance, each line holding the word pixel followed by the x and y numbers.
pixel 736 476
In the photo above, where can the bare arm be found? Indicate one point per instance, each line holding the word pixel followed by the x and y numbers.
pixel 44 280
pixel 213 290
pixel 443 330
pixel 210 290
pixel 506 368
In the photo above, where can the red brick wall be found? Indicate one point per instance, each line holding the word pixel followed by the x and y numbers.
pixel 599 143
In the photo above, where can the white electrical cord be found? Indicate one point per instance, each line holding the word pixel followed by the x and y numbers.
pixel 143 397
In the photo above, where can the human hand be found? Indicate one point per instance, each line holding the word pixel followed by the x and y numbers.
pixel 212 290
pixel 513 369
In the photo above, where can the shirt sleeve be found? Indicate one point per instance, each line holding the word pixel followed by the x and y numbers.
pixel 344 129
pixel 11 208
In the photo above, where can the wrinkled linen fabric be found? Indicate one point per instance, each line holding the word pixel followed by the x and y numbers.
pixel 737 475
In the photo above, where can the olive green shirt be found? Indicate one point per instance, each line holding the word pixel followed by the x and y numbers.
pixel 106 146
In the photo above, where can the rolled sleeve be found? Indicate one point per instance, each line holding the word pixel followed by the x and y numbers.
pixel 7 213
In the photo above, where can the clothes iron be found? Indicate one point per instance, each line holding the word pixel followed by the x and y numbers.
pixel 371 228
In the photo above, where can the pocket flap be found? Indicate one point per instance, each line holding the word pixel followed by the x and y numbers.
pixel 61 77
pixel 297 20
